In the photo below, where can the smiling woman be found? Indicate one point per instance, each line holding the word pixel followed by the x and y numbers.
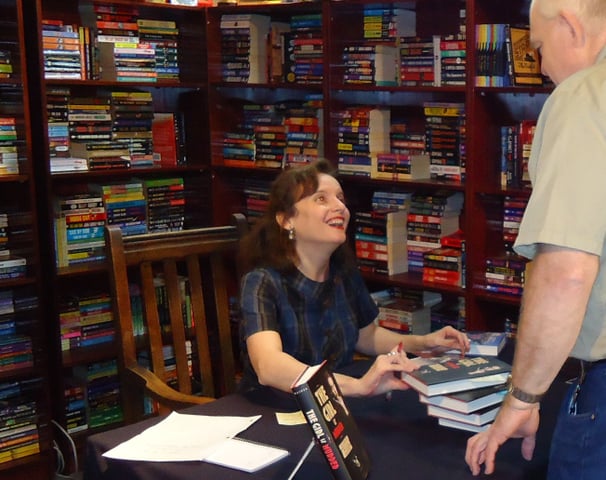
pixel 303 299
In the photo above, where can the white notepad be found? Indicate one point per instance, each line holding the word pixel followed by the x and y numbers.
pixel 245 455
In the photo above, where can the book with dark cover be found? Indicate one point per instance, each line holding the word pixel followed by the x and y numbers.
pixel 469 400
pixel 335 430
pixel 480 417
pixel 453 373
pixel 447 422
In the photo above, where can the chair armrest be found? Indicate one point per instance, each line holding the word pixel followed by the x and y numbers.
pixel 161 392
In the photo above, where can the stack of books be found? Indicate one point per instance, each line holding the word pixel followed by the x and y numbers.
pixel 12 266
pixel 380 241
pixel 387 24
pixel 462 392
pixel 127 62
pixel 132 118
pixel 403 313
pixel 304 132
pixel 417 64
pixel 102 392
pixel 125 205
pixel 244 47
pixel 370 65
pixel 19 417
pixel 256 194
pixel 445 138
pixel 452 57
pixel 86 321
pixel 431 218
pixel 6 66
pixel 304 50
pixel 505 274
pixel 163 37
pixel 75 406
pixel 9 157
pixel 62 51
pixel 165 204
pixel 406 158
pixel 471 410
pixel 363 133
pixel 79 222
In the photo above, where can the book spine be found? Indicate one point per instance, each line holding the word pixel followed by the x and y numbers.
pixel 321 431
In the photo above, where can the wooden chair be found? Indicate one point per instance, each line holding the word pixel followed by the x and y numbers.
pixel 198 255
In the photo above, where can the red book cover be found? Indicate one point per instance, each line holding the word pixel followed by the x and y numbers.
pixel 164 138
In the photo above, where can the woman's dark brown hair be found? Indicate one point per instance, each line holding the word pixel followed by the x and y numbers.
pixel 267 243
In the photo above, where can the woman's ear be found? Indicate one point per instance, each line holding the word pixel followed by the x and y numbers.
pixel 281 220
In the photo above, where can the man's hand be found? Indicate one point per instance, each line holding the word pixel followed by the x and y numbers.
pixel 515 420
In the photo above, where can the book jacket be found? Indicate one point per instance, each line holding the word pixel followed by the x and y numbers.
pixel 453 373
pixel 335 430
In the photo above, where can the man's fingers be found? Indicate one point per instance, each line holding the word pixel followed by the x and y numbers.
pixel 474 455
pixel 528 444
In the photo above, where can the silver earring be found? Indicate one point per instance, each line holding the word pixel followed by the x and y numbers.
pixel 291 233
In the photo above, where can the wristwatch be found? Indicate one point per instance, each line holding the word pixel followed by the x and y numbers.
pixel 521 395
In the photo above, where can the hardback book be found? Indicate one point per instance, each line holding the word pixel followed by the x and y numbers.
pixel 480 417
pixel 164 134
pixel 335 430
pixel 524 59
pixel 469 400
pixel 485 343
pixel 453 373
pixel 447 422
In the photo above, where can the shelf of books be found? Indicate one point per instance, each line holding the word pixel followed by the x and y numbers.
pixel 123 129
pixel 397 104
pixel 507 99
pixel 25 438
pixel 414 107
pixel 266 86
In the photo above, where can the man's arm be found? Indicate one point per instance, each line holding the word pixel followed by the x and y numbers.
pixel 554 303
pixel 553 306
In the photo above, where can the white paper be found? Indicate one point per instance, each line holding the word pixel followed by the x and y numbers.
pixel 245 455
pixel 181 438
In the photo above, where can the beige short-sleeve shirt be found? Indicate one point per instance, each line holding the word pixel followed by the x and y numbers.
pixel 567 169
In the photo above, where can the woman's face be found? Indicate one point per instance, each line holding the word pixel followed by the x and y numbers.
pixel 322 217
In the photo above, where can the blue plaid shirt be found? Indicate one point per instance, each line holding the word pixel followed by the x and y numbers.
pixel 315 320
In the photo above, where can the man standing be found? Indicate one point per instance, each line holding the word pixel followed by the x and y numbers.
pixel 564 231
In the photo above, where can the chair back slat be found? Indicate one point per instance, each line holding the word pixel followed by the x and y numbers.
pixel 177 325
pixel 198 309
pixel 152 320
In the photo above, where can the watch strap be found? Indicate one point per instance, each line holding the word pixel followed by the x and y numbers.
pixel 521 395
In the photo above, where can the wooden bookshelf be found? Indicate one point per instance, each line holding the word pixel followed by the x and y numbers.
pixel 177 85
pixel 486 109
pixel 207 105
pixel 23 294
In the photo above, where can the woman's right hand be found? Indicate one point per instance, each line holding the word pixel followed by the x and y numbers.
pixel 384 374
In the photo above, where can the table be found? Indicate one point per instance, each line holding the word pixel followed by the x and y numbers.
pixel 403 442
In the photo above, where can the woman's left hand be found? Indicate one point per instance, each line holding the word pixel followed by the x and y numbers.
pixel 447 338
